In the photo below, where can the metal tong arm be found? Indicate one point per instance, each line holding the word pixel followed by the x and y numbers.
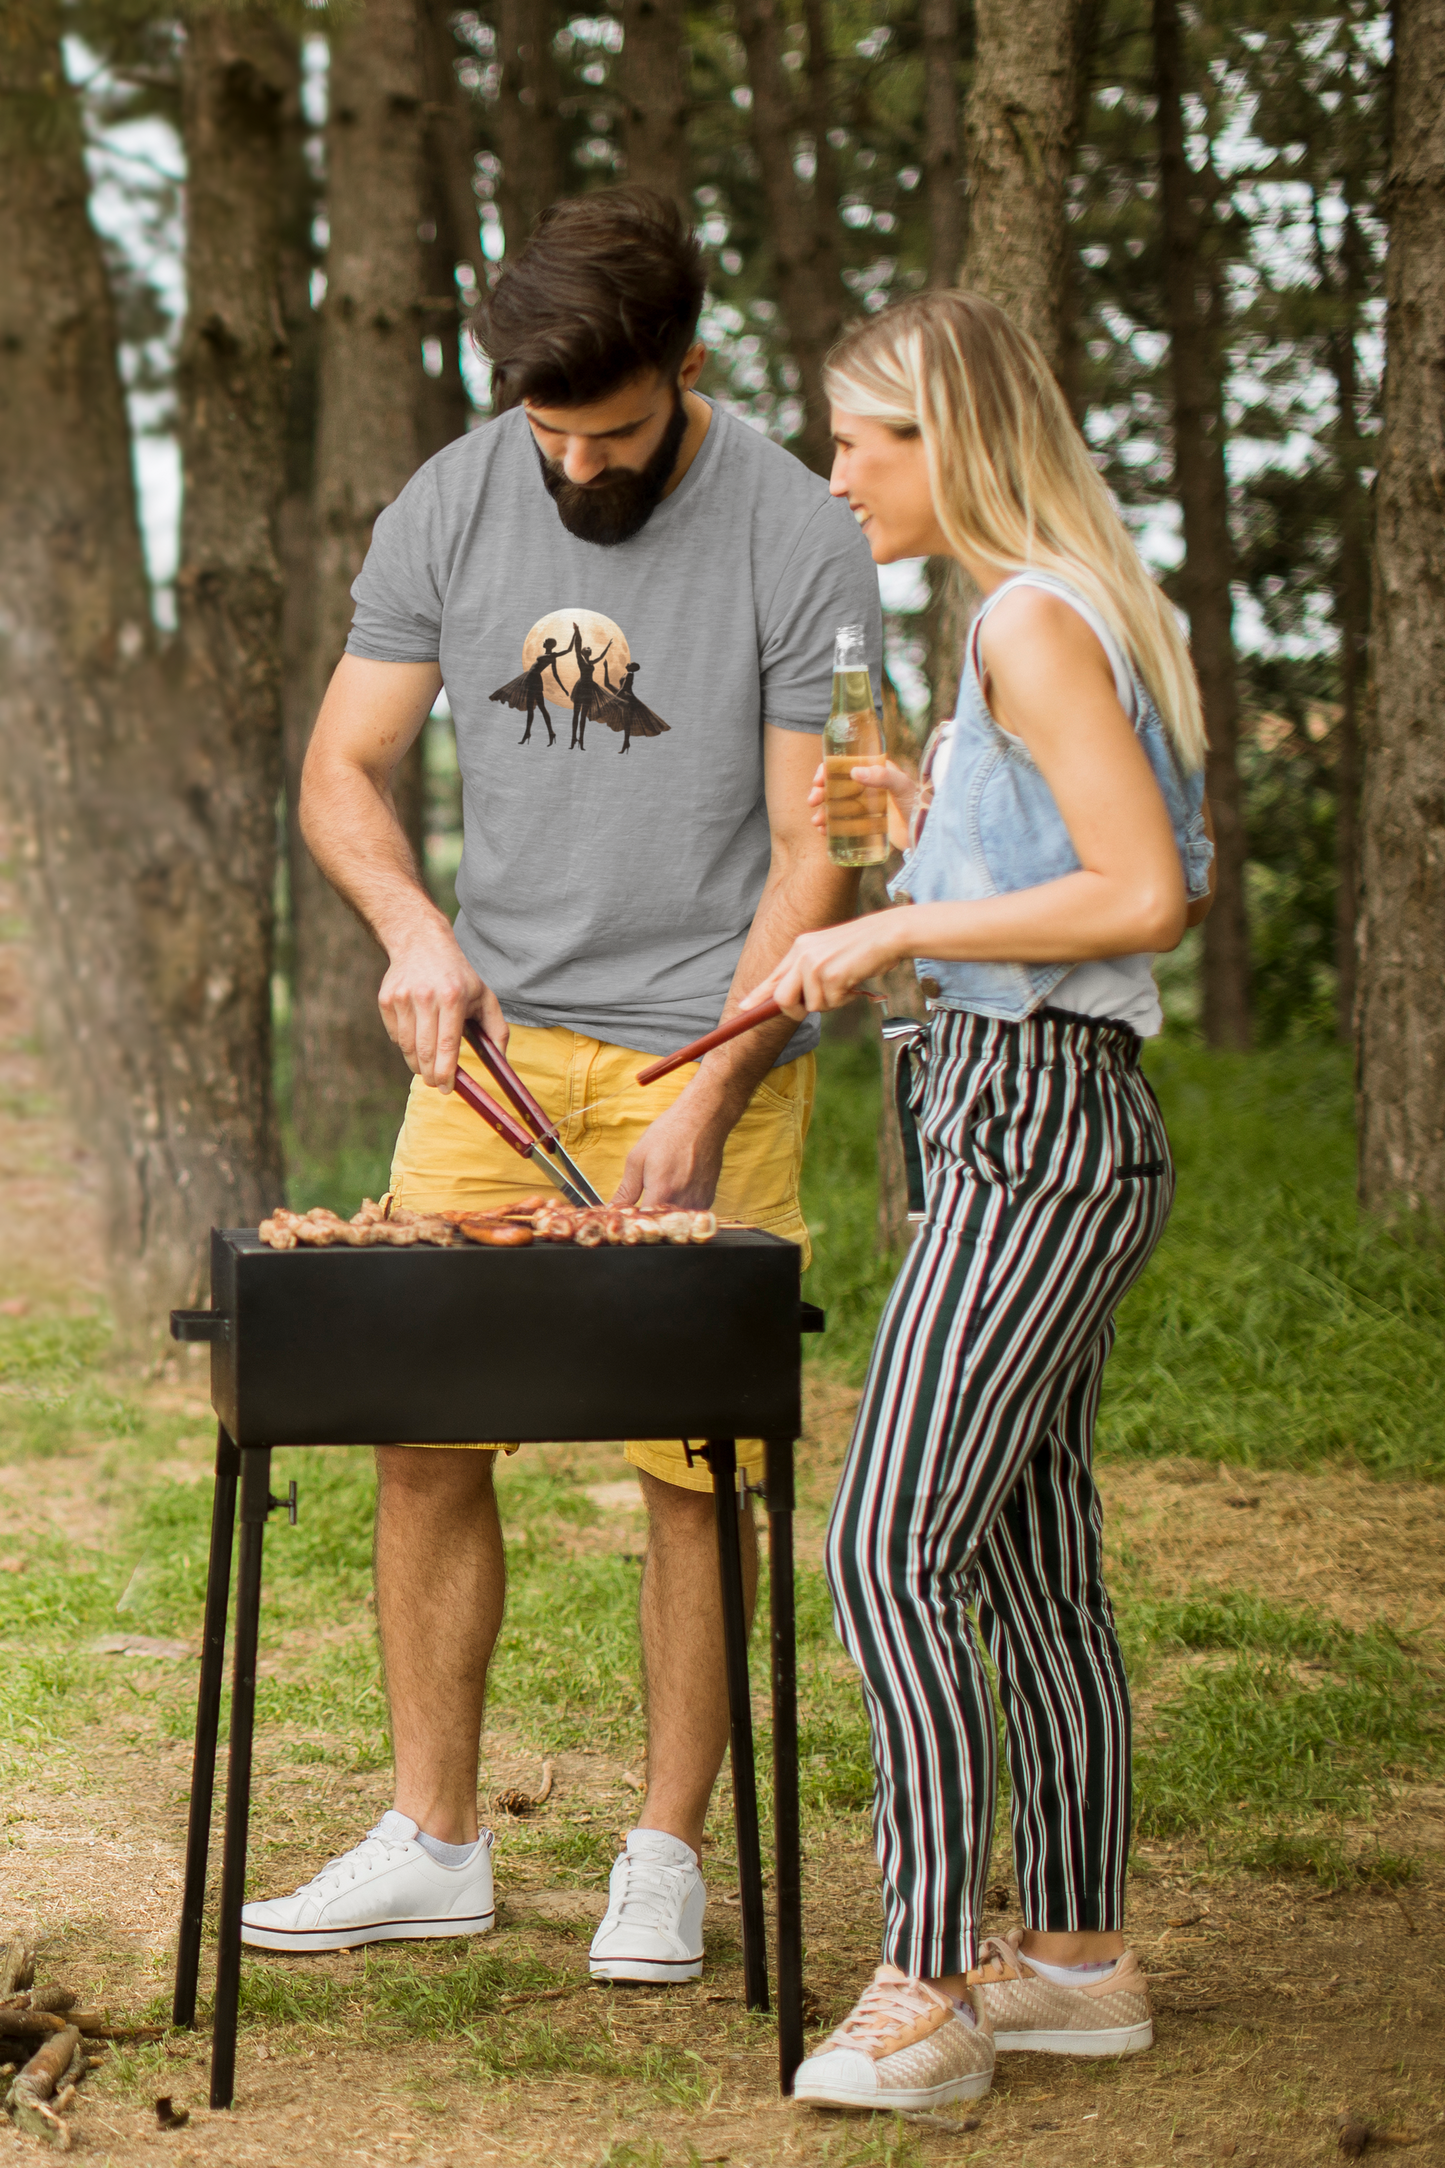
pixel 495 1062
pixel 494 1116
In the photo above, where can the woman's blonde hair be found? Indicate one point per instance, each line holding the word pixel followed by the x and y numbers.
pixel 1012 480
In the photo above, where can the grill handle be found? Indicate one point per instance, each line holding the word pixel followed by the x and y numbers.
pixel 200 1325
pixel 811 1318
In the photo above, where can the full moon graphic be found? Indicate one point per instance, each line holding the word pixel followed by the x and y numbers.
pixel 597 633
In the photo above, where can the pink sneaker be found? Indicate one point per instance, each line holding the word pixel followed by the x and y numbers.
pixel 902 2046
pixel 1109 2017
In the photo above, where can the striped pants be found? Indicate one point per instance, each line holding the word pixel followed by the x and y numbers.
pixel 969 1482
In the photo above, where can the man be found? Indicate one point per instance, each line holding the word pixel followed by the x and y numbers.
pixel 605 914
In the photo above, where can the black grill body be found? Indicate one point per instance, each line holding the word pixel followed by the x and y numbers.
pixel 427 1346
pixel 340 1346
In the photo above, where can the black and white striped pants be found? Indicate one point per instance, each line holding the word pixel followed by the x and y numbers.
pixel 969 1482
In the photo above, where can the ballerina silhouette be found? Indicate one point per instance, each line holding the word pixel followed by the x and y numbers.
pixel 526 691
pixel 587 694
pixel 622 710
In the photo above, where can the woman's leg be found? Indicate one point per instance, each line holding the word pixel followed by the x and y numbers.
pixel 903 1621
pixel 1048 1625
pixel 1000 1314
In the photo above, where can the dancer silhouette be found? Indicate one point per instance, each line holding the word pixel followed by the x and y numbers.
pixel 526 691
pixel 587 694
pixel 625 712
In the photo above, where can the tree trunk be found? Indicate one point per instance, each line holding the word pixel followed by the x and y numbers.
pixel 1194 306
pixel 1402 1012
pixel 1352 616
pixel 653 85
pixel 1023 119
pixel 143 782
pixel 348 1079
pixel 810 292
pixel 529 135
pixel 942 175
pixel 904 997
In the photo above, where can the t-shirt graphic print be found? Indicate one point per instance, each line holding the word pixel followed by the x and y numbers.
pixel 612 894
pixel 574 686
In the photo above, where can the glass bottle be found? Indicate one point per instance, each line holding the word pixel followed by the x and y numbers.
pixel 857 817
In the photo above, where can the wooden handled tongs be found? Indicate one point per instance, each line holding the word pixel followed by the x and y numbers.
pixel 746 1020
pixel 538 1139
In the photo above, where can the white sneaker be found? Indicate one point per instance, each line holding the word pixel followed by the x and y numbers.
pixel 902 2046
pixel 385 1889
pixel 652 1929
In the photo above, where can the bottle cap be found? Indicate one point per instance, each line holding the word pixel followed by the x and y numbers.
pixel 850 650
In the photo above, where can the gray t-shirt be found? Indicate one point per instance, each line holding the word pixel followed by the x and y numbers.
pixel 605 893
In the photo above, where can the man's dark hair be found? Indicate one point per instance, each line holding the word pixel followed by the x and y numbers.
pixel 608 285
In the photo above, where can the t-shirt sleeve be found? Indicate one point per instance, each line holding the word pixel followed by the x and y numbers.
pixel 829 580
pixel 398 591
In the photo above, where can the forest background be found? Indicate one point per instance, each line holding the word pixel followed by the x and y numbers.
pixel 238 248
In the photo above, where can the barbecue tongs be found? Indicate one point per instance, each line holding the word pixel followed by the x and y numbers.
pixel 538 1141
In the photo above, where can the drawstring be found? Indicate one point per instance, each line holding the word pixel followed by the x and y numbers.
pixel 911 1037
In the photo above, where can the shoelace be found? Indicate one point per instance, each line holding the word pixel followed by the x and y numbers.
pixel 997 1960
pixel 651 1891
pixel 885 2008
pixel 370 1852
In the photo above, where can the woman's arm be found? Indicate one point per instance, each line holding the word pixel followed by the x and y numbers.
pixel 1049 683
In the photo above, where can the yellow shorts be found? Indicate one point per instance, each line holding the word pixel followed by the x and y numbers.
pixel 446 1156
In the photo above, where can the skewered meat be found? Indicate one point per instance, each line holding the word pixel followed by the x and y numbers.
pixel 513 1226
pixel 372 1226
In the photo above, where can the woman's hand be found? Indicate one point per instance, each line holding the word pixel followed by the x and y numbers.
pixel 824 970
pixel 902 789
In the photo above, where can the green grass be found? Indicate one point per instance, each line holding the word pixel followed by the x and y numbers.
pixel 1275 1325
pixel 1272 1326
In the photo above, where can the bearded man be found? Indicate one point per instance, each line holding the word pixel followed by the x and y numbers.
pixel 607 913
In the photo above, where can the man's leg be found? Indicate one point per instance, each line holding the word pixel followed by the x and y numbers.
pixel 652 1929
pixel 682 1652
pixel 440 1580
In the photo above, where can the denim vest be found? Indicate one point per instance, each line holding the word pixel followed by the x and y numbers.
pixel 994 826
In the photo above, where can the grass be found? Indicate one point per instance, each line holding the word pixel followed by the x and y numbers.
pixel 1275 1325
pixel 1272 1326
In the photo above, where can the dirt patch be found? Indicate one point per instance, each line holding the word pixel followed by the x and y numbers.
pixel 1280 2005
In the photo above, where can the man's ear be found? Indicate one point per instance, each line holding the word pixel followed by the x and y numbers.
pixel 692 365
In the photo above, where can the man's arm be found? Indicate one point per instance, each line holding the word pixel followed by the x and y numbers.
pixel 371 715
pixel 680 1157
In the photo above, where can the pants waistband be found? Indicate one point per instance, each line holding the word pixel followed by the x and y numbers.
pixel 1048 1038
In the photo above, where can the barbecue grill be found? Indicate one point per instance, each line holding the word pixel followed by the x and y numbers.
pixel 387 1346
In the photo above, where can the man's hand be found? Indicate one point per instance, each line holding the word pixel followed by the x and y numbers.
pixel 679 1159
pixel 427 995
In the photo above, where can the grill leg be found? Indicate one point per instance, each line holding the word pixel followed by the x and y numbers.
pixel 208 1717
pixel 785 1761
pixel 255 1503
pixel 723 1460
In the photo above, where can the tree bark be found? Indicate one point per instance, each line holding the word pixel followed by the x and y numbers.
pixel 1402 1012
pixel 143 779
pixel 1352 614
pixel 529 135
pixel 653 84
pixel 1023 118
pixel 811 294
pixel 347 1077
pixel 942 172
pixel 1194 306
pixel 905 998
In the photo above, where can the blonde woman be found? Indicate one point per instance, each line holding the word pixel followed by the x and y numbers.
pixel 1058 842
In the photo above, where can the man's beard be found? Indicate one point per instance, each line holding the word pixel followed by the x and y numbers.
pixel 619 506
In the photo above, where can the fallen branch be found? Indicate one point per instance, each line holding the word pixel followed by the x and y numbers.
pixel 29 2096
pixel 515 1802
pixel 17 1965
pixel 95 2024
